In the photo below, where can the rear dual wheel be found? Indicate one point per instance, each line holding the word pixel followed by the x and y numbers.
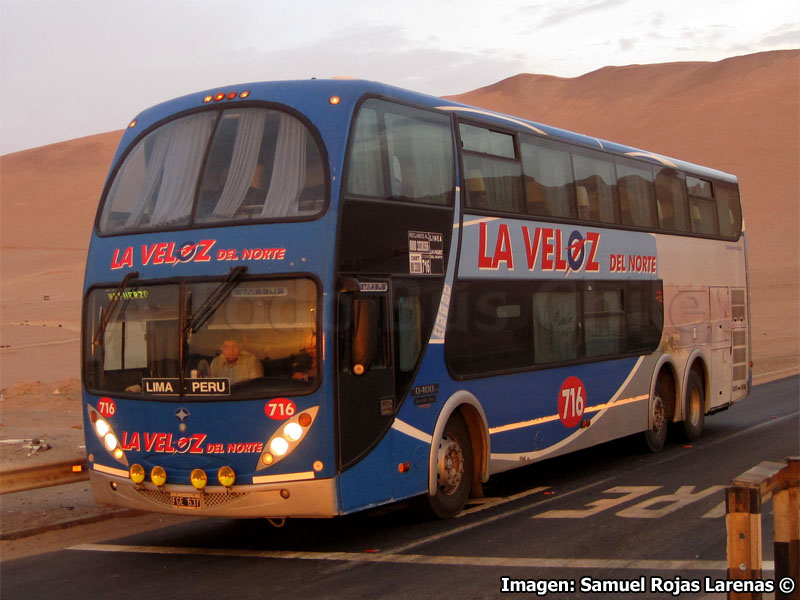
pixel 694 408
pixel 656 435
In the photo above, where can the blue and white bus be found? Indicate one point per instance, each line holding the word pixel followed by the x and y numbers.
pixel 308 298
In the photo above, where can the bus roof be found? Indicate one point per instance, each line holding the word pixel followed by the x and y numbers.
pixel 301 94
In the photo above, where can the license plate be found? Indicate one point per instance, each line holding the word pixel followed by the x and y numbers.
pixel 186 500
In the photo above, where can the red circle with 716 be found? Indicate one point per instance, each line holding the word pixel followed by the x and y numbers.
pixel 571 401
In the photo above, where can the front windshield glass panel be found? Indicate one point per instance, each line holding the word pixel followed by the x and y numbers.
pixel 259 340
pixel 236 165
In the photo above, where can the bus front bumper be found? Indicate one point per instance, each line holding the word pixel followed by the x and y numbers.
pixel 313 498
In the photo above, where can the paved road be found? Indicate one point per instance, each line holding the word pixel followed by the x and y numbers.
pixel 608 513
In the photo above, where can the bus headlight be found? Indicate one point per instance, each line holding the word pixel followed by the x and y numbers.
pixel 279 446
pixel 105 434
pixel 111 442
pixel 287 438
pixel 293 432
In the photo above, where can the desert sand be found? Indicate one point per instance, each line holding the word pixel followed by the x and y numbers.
pixel 740 115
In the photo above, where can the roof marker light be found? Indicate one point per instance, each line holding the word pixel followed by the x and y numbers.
pixel 220 96
pixel 132 124
pixel 232 95
pixel 208 99
pixel 334 100
pixel 244 94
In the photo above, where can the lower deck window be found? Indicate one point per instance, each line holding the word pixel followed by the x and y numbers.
pixel 510 326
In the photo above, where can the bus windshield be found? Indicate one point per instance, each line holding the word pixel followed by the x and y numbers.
pixel 258 338
pixel 212 167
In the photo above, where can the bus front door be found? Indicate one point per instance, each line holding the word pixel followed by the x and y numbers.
pixel 366 396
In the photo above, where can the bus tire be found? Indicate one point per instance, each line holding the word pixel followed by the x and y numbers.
pixel 694 406
pixel 454 466
pixel 656 434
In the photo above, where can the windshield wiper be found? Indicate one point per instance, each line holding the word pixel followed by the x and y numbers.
pixel 215 300
pixel 108 311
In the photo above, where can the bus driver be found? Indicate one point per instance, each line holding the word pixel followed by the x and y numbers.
pixel 235 364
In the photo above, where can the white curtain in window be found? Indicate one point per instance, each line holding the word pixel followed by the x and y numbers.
pixel 555 324
pixel 244 157
pixel 499 179
pixel 365 176
pixel 554 173
pixel 432 159
pixel 187 145
pixel 153 171
pixel 640 196
pixel 288 170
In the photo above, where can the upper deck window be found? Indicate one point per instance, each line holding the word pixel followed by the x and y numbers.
pixel 401 153
pixel 492 170
pixel 250 164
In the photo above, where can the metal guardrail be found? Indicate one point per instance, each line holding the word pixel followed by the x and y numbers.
pixel 40 476
pixel 743 501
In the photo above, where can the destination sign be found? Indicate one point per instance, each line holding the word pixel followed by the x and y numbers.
pixel 170 386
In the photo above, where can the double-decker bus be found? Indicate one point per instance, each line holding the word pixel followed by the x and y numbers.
pixel 308 298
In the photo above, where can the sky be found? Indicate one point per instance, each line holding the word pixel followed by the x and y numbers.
pixel 73 68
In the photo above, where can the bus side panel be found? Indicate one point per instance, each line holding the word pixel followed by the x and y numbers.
pixel 396 469
pixel 705 313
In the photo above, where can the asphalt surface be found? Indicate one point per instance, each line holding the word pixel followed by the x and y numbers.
pixel 608 513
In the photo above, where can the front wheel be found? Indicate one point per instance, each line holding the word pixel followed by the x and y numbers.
pixel 454 468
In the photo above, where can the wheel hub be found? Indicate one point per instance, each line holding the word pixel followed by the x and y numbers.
pixel 659 415
pixel 451 465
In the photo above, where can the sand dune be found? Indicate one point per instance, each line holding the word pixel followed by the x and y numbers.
pixel 739 115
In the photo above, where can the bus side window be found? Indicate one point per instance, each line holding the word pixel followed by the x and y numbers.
pixel 365 176
pixel 604 320
pixel 702 208
pixel 494 172
pixel 402 153
pixel 636 193
pixel 730 212
pixel 555 325
pixel 596 185
pixel 671 200
pixel 549 182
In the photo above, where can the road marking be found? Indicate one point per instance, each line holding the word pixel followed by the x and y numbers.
pixel 425 559
pixel 666 504
pixel 479 504
pixel 629 492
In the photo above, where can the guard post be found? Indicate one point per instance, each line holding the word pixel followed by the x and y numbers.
pixel 743 501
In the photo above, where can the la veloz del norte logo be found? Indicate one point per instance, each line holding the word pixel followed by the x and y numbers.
pixel 509 248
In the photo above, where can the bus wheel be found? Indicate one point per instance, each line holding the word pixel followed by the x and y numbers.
pixel 656 435
pixel 453 469
pixel 694 408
